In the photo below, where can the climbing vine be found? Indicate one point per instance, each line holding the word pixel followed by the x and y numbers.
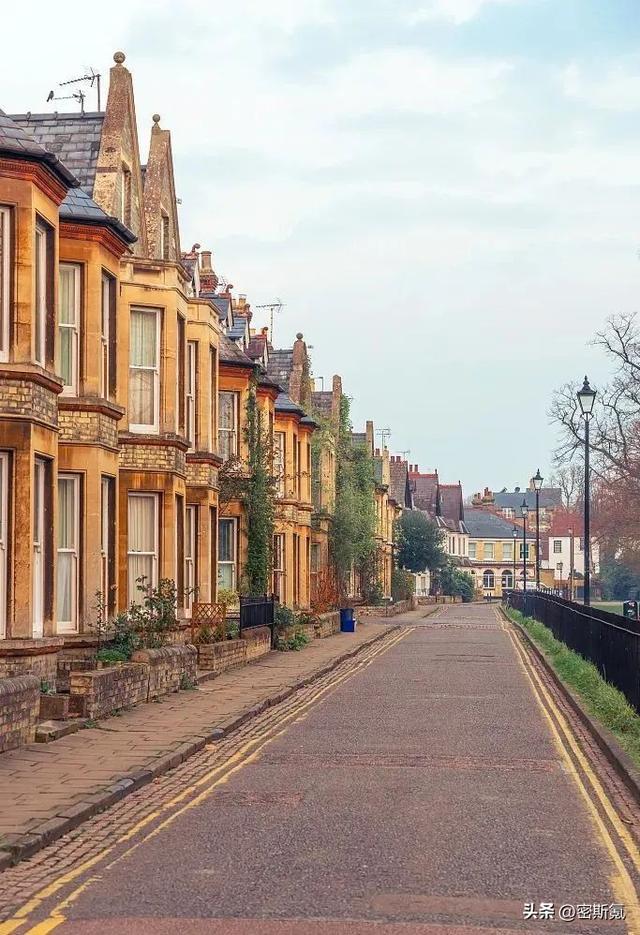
pixel 352 539
pixel 252 482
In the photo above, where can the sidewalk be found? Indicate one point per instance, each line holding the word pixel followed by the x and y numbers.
pixel 47 789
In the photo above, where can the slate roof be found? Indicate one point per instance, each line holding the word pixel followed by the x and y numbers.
pixel 221 302
pixel 285 404
pixel 512 499
pixel 425 492
pixel 230 353
pixel 265 380
pixel 399 488
pixel 483 525
pixel 307 420
pixel 451 502
pixel 16 141
pixel 74 139
pixel 238 329
pixel 82 209
pixel 280 365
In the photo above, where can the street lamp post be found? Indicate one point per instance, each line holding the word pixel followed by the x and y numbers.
pixel 537 486
pixel 571 561
pixel 515 536
pixel 560 569
pixel 586 399
pixel 524 509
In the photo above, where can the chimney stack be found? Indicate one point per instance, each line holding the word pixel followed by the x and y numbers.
pixel 205 262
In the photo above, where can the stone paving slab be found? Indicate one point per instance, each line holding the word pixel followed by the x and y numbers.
pixel 47 790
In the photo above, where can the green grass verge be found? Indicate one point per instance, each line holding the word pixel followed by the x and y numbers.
pixel 603 701
pixel 613 607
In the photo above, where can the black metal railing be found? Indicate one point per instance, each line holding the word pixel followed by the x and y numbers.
pixel 611 642
pixel 257 612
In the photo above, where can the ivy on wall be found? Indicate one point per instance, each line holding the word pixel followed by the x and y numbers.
pixel 352 537
pixel 253 483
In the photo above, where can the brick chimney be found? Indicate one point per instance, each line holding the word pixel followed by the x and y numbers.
pixel 208 279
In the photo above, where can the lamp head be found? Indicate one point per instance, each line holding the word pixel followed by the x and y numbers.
pixel 524 509
pixel 537 480
pixel 586 398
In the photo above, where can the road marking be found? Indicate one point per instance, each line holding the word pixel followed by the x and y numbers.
pixel 242 757
pixel 621 881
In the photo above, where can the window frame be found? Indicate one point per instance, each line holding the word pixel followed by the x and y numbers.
pixel 5 280
pixel 107 334
pixel 154 554
pixel 71 389
pixel 488 574
pixel 233 562
pixel 280 461
pixel 107 543
pixel 473 550
pixel 70 626
pixel 41 293
pixel 38 547
pixel 233 433
pixel 150 428
pixel 279 565
pixel 507 551
pixel 191 395
pixel 507 574
pixel 557 546
pixel 191 518
pixel 489 551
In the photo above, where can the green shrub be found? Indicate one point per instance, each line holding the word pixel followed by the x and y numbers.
pixel 111 656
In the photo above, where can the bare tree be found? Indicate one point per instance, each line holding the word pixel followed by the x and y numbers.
pixel 614 439
pixel 570 479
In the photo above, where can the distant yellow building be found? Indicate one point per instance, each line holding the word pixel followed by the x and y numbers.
pixel 492 550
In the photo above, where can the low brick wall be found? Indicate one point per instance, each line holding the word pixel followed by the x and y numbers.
pixel 19 706
pixel 384 610
pixel 441 599
pixel 31 657
pixel 167 667
pixel 258 642
pixel 218 657
pixel 327 624
pixel 74 659
pixel 100 692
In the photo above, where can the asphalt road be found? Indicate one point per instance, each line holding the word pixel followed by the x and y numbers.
pixel 423 795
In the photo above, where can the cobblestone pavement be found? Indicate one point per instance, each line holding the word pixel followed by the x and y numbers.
pixel 432 784
pixel 42 786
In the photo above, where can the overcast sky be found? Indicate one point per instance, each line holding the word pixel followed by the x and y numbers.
pixel 444 193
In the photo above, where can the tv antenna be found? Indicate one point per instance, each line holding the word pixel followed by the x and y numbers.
pixel 91 76
pixel 404 453
pixel 76 96
pixel 384 434
pixel 274 307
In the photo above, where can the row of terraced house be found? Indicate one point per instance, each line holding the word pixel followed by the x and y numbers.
pixel 126 366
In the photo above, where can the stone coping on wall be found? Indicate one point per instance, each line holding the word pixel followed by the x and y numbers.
pixel 30 646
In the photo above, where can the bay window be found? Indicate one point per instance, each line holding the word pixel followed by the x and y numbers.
pixel 5 280
pixel 144 370
pixel 4 540
pixel 68 552
pixel 227 552
pixel 192 392
pixel 69 327
pixel 228 424
pixel 142 543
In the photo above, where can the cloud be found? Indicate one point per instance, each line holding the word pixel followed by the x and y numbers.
pixel 616 87
pixel 456 11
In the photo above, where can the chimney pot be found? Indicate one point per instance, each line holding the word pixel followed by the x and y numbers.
pixel 205 261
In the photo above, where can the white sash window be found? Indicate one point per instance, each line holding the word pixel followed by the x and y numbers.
pixel 192 389
pixel 228 425
pixel 190 556
pixel 69 327
pixel 41 285
pixel 38 541
pixel 142 551
pixel 227 551
pixel 68 552
pixel 279 455
pixel 144 370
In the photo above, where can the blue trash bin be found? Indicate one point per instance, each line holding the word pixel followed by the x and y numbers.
pixel 347 620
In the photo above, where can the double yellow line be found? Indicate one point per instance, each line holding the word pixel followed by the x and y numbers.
pixel 621 883
pixel 215 777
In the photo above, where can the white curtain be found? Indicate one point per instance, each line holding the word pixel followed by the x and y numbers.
pixel 143 364
pixel 142 542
